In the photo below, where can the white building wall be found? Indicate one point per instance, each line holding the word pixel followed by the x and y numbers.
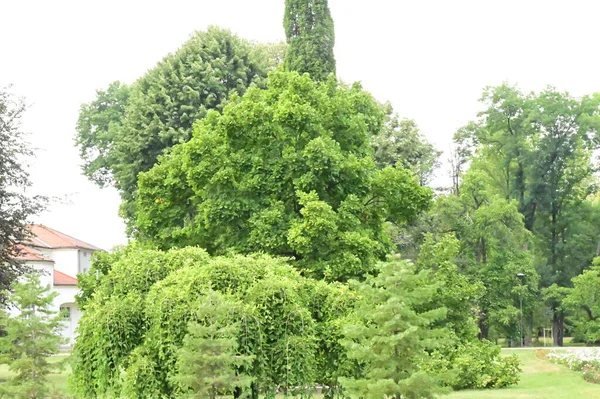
pixel 66 298
pixel 66 260
pixel 46 270
pixel 84 260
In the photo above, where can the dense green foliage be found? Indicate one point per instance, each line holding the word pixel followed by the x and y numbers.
pixel 29 339
pixel 536 150
pixel 310 37
pixel 492 251
pixel 477 365
pixel 288 171
pixel 583 301
pixel 126 128
pixel 207 362
pixel 136 319
pixel 392 334
pixel 15 206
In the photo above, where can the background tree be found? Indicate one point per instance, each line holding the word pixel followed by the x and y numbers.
pixel 98 129
pixel 538 151
pixel 401 142
pixel 16 207
pixel 310 38
pixel 491 239
pixel 30 338
pixel 288 171
pixel 126 128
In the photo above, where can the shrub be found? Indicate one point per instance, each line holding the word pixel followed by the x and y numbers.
pixel 476 365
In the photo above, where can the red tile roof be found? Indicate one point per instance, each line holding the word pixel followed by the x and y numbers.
pixel 46 237
pixel 63 279
pixel 29 254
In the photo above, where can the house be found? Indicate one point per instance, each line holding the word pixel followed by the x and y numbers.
pixel 60 258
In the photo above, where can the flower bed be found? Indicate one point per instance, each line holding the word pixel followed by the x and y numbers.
pixel 585 361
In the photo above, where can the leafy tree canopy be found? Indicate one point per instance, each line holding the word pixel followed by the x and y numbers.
pixel 288 171
pixel 537 149
pixel 401 141
pixel 15 206
pixel 124 130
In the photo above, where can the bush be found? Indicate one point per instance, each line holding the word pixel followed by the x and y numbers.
pixel 476 365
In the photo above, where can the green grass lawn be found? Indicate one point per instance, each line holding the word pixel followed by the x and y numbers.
pixel 540 379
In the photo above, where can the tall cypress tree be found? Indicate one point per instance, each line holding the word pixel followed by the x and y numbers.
pixel 310 36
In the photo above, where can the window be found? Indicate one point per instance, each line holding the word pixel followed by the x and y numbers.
pixel 65 311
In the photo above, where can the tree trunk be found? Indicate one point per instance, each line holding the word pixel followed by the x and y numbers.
pixel 484 329
pixel 237 393
pixel 558 328
pixel 254 391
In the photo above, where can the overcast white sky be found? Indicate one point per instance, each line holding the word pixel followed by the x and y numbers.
pixel 431 59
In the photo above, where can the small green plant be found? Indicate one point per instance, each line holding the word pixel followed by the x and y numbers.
pixel 30 338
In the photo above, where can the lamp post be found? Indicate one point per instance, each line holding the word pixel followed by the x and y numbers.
pixel 521 276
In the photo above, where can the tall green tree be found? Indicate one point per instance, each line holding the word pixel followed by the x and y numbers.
pixel 310 37
pixel 16 207
pixel 492 252
pixel 288 171
pixel 30 338
pixel 583 302
pixel 539 150
pixel 125 129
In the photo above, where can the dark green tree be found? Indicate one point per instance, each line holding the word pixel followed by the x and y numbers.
pixel 310 37
pixel 124 130
pixel 15 206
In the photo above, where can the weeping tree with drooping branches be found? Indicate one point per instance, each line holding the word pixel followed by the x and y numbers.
pixel 138 316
